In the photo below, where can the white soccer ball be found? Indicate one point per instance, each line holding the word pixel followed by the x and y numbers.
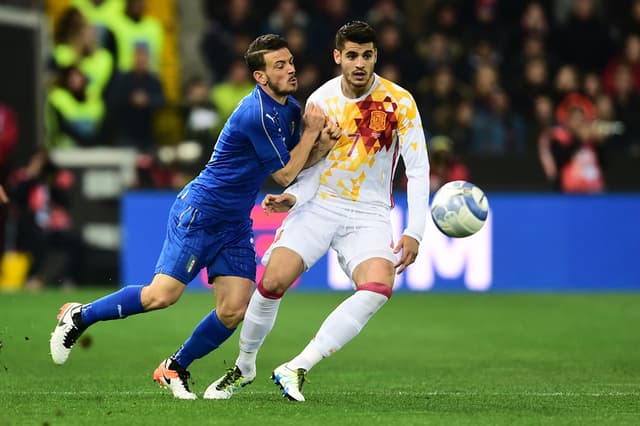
pixel 459 209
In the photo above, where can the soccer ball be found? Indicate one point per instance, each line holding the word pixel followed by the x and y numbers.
pixel 459 209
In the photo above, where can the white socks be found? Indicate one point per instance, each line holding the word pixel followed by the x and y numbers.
pixel 342 325
pixel 258 322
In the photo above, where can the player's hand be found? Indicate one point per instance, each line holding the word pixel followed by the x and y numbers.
pixel 278 203
pixel 328 137
pixel 409 247
pixel 313 118
pixel 332 129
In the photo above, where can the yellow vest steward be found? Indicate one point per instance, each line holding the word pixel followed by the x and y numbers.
pixel 85 115
pixel 97 67
pixel 129 34
pixel 101 15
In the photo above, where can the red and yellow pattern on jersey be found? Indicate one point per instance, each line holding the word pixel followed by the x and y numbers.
pixel 376 127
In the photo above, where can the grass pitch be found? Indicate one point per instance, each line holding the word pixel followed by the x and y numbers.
pixel 463 359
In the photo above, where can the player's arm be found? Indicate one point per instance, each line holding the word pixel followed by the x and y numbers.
pixel 314 123
pixel 327 139
pixel 302 190
pixel 413 149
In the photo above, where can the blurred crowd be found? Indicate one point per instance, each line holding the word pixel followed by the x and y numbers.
pixel 558 80
pixel 491 77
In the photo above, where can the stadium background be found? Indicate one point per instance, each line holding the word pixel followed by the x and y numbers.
pixel 553 342
pixel 497 146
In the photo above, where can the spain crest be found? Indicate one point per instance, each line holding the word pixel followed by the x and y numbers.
pixel 378 121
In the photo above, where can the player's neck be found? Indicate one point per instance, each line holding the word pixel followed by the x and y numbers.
pixel 281 99
pixel 352 92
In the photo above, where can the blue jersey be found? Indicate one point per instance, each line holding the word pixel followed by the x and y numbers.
pixel 254 143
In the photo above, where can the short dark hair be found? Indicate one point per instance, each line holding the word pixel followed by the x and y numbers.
pixel 356 32
pixel 261 45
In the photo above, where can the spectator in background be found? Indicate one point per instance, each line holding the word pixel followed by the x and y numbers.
pixel 445 19
pixel 392 44
pixel 134 30
pixel 535 83
pixel 541 120
pixel 592 85
pixel 73 117
pixel 200 116
pixel 226 94
pixel 584 40
pixel 630 22
pixel 436 50
pixel 226 22
pixel 101 13
pixel 462 130
pixel 298 46
pixel 137 96
pixel 566 81
pixel 330 14
pixel 391 71
pixel 286 14
pixel 440 100
pixel 75 43
pixel 571 153
pixel 386 11
pixel 629 56
pixel 496 130
pixel 485 25
pixel 626 102
pixel 483 54
pixel 532 47
pixel 445 165
pixel 40 197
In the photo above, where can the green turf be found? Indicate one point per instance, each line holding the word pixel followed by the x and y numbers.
pixel 424 359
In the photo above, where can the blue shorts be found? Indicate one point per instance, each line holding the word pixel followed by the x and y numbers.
pixel 195 240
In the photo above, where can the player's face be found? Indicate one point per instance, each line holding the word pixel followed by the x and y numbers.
pixel 280 73
pixel 356 63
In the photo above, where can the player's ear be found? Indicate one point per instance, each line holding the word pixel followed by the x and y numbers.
pixel 260 76
pixel 336 56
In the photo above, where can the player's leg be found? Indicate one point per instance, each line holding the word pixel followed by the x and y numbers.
pixel 232 269
pixel 232 296
pixel 283 268
pixel 367 257
pixel 375 281
pixel 286 259
pixel 173 270
pixel 75 318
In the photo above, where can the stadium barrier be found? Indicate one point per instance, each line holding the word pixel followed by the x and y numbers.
pixel 530 243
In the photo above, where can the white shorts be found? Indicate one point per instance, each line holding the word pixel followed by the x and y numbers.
pixel 355 235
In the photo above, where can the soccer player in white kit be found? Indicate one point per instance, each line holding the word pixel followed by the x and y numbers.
pixel 343 202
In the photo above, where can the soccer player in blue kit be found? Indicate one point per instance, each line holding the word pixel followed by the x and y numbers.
pixel 209 223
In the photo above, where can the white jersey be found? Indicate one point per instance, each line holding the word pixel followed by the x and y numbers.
pixel 376 128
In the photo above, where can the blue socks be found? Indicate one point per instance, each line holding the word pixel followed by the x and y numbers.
pixel 116 305
pixel 206 337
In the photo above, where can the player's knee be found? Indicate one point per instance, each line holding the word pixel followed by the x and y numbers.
pixel 159 300
pixel 231 317
pixel 272 285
